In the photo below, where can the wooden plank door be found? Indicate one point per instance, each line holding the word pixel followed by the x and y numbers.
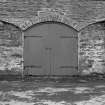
pixel 51 49
pixel 36 58
pixel 64 44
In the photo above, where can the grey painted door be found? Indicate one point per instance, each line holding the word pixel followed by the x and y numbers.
pixel 51 49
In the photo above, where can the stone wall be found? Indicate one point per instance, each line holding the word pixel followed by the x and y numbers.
pixel 82 15
pixel 11 50
pixel 92 48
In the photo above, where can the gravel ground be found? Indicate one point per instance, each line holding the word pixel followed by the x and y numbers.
pixel 51 93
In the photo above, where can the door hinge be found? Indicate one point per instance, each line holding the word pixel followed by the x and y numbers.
pixel 75 67
pixel 33 36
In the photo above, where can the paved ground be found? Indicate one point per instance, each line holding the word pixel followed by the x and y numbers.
pixel 51 93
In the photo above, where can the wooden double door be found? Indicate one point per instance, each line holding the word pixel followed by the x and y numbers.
pixel 50 49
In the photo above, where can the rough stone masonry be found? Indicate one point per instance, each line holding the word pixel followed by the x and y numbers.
pixel 86 16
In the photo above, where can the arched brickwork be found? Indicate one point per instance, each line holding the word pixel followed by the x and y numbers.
pixel 54 22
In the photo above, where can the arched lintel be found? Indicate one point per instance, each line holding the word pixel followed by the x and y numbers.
pixel 50 18
pixel 48 22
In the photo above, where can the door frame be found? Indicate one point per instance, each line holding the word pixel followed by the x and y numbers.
pixel 55 22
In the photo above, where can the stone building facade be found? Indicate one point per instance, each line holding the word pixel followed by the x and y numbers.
pixel 86 16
